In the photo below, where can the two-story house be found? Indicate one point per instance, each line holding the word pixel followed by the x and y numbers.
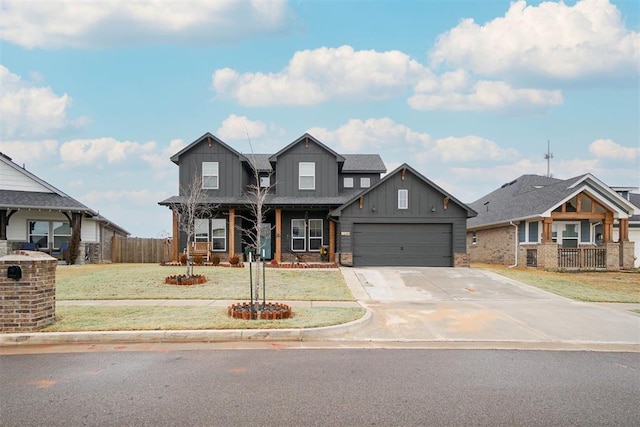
pixel 320 201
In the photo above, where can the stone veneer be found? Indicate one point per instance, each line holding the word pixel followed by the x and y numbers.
pixel 28 303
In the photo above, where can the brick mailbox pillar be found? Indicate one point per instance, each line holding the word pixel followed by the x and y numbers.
pixel 27 291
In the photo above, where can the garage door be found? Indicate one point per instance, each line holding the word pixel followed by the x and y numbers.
pixel 427 245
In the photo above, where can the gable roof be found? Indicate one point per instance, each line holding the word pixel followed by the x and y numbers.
pixel 53 199
pixel 399 169
pixel 306 136
pixel 207 136
pixel 535 196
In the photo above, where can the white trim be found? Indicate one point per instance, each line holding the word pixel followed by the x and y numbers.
pixel 405 198
pixel 212 170
pixel 307 174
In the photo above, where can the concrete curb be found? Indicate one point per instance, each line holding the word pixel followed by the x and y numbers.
pixel 181 336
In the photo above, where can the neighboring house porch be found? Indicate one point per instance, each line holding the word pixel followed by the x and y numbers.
pixel 553 224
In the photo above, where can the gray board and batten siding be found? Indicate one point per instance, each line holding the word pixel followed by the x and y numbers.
pixel 424 234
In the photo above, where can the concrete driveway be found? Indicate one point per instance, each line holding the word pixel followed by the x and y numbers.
pixel 465 304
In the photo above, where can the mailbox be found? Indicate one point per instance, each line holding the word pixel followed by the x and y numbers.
pixel 14 272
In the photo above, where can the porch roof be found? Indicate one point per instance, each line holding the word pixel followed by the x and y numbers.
pixel 535 196
pixel 271 201
pixel 11 199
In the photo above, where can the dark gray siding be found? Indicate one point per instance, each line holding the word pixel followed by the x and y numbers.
pixel 426 206
pixel 373 178
pixel 230 170
pixel 288 215
pixel 326 171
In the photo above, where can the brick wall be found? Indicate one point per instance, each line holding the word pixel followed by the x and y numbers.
pixel 29 303
pixel 493 246
pixel 345 258
pixel 461 259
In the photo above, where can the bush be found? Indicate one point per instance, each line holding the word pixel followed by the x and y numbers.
pixel 198 260
pixel 234 260
pixel 274 262
pixel 183 259
pixel 215 260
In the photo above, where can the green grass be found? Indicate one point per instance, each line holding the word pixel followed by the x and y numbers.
pixel 96 318
pixel 621 287
pixel 146 281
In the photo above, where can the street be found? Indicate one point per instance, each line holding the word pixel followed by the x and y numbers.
pixel 351 387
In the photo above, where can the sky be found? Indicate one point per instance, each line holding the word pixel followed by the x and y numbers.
pixel 95 96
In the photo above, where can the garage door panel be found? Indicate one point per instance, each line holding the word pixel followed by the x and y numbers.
pixel 402 244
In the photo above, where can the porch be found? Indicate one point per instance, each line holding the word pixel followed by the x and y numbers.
pixel 551 256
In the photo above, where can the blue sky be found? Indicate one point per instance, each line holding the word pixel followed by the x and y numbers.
pixel 96 96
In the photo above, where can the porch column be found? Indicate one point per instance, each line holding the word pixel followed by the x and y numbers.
pixel 547 230
pixel 3 224
pixel 607 228
pixel 332 241
pixel 278 254
pixel 175 243
pixel 624 230
pixel 232 232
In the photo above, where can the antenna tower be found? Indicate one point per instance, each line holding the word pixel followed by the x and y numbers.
pixel 548 156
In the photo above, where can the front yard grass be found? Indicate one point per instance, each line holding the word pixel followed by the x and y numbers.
pixel 590 286
pixel 97 318
pixel 146 281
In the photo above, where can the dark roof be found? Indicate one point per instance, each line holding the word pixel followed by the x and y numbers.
pixel 207 136
pixel 531 196
pixel 31 200
pixel 259 161
pixel 635 199
pixel 306 136
pixel 470 212
pixel 371 163
pixel 271 200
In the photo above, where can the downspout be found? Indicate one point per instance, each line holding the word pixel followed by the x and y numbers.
pixel 516 245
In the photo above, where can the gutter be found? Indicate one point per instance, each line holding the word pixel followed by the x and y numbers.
pixel 516 245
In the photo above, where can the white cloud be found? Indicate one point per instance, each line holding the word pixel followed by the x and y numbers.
pixel 29 152
pixel 466 149
pixel 456 92
pixel 31 111
pixel 608 149
pixel 315 76
pixel 369 135
pixel 240 128
pixel 72 23
pixel 551 40
pixel 89 151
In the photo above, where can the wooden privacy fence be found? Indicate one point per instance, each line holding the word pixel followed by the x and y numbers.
pixel 140 250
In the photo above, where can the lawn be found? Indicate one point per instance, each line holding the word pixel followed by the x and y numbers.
pixel 96 318
pixel 591 286
pixel 146 281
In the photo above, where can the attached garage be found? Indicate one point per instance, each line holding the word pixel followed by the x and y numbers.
pixel 426 245
pixel 402 220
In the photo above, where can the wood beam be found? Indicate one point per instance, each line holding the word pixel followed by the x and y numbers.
pixel 577 215
pixel 624 230
pixel 547 230
pixel 232 232
pixel 278 255
pixel 332 241
pixel 607 228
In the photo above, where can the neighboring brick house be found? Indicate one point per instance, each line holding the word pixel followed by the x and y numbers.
pixel 321 201
pixel 550 223
pixel 36 215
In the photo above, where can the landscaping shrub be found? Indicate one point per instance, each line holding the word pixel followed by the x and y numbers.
pixel 183 259
pixel 234 260
pixel 198 260
pixel 215 260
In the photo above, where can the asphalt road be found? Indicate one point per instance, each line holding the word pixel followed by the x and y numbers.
pixel 344 387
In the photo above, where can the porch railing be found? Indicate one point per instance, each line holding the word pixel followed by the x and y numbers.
pixel 583 258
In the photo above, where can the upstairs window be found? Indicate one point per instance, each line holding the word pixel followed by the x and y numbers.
pixel 403 199
pixel 348 182
pixel 306 176
pixel 365 182
pixel 210 177
pixel 264 182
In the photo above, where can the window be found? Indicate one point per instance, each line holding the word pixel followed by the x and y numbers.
pixel 201 230
pixel 309 236
pixel 61 233
pixel 365 182
pixel 44 233
pixel 534 236
pixel 219 234
pixel 298 235
pixel 210 175
pixel 403 199
pixel 315 234
pixel 264 182
pixel 474 238
pixel 307 176
pixel 39 234
pixel 348 182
